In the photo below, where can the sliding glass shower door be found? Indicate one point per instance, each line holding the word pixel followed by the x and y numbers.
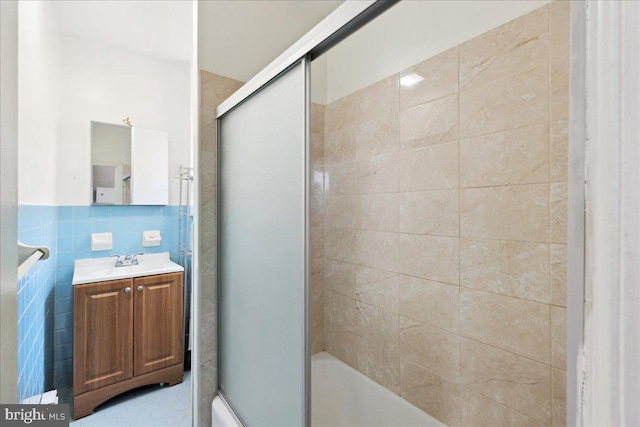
pixel 262 258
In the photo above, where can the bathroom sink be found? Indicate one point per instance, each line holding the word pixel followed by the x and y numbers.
pixel 100 269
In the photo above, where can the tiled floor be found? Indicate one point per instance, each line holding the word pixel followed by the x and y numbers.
pixel 151 406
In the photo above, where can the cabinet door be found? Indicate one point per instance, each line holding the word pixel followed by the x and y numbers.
pixel 157 322
pixel 102 333
pixel 149 167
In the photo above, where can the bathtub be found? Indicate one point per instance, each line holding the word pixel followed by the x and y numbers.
pixel 343 397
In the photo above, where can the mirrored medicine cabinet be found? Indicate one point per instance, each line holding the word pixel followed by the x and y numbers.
pixel 129 165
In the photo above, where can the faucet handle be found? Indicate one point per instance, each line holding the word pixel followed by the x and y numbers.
pixel 134 258
pixel 118 259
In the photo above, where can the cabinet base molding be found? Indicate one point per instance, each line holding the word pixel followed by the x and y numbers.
pixel 85 403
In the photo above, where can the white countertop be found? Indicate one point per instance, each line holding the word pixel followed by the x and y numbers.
pixel 101 269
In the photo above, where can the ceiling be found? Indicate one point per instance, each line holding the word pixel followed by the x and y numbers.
pixel 161 29
pixel 239 38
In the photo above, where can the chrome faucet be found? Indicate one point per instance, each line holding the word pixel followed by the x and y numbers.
pixel 127 260
pixel 118 260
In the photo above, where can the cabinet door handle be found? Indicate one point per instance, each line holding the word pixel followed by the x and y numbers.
pixel 127 289
pixel 139 288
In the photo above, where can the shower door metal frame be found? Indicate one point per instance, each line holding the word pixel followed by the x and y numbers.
pixel 305 63
pixel 344 21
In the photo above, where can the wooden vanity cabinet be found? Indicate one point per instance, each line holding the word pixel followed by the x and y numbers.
pixel 127 333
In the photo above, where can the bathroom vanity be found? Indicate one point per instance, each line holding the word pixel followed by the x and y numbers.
pixel 127 328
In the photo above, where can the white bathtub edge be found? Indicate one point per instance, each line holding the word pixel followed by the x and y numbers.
pixel 400 412
pixel 220 415
pixel 341 402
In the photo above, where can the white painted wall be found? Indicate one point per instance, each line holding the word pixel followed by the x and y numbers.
pixel 106 84
pixel 38 65
pixel 161 29
pixel 410 32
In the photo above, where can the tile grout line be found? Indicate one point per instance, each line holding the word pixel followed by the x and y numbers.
pixel 478 86
pixel 506 406
pixel 361 230
pixel 549 200
pixel 477 187
pixel 440 328
pixel 470 338
pixel 398 203
pixel 459 72
pixel 324 228
pixel 465 139
pixel 441 283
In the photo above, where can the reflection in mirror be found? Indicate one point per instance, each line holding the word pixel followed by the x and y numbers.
pixel 111 164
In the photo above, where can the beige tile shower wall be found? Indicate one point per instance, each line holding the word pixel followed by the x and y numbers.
pixel 213 90
pixel 445 227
